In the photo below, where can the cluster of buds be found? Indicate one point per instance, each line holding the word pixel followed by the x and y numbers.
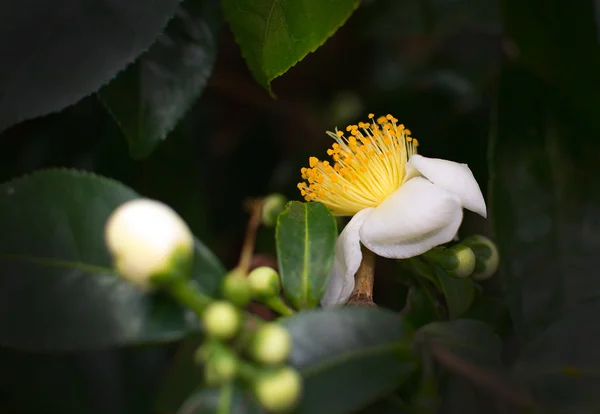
pixel 152 247
pixel 476 257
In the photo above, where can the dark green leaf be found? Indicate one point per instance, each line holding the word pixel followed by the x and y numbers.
pixel 55 54
pixel 206 401
pixel 56 274
pixel 306 234
pixel 388 405
pixel 562 365
pixel 275 35
pixel 459 292
pixel 152 95
pixel 568 59
pixel 422 308
pixel 472 340
pixel 545 202
pixel 349 357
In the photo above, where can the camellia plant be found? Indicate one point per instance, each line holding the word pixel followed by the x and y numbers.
pixel 169 251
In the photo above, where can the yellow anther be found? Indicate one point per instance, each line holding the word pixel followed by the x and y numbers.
pixel 313 161
pixel 339 134
pixel 371 116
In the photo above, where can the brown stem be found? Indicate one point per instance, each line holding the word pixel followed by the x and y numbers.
pixel 255 208
pixel 365 278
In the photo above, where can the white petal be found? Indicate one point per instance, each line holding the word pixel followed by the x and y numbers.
pixel 454 177
pixel 347 260
pixel 412 220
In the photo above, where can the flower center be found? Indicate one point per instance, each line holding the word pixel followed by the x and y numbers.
pixel 369 165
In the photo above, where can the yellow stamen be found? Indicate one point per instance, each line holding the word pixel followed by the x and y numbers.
pixel 369 165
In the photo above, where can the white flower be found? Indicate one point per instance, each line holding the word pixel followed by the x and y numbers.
pixel 403 204
pixel 143 236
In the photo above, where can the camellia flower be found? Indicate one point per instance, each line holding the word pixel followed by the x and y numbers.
pixel 403 204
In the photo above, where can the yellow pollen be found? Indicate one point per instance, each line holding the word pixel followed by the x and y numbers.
pixel 368 166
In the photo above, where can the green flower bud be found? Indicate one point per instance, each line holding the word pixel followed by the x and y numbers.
pixel 264 282
pixel 236 289
pixel 486 255
pixel 149 242
pixel 278 390
pixel 221 366
pixel 271 344
pixel 273 205
pixel 221 320
pixel 458 260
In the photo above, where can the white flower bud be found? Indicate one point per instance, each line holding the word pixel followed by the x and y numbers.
pixel 145 237
pixel 271 344
pixel 466 260
pixel 221 320
pixel 278 390
pixel 264 282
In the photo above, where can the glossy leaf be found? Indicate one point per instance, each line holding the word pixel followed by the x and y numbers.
pixel 459 292
pixel 306 235
pixel 56 274
pixel 349 357
pixel 149 98
pixel 545 202
pixel 275 35
pixel 562 365
pixel 55 54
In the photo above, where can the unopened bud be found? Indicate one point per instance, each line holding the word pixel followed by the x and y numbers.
pixel 221 320
pixel 273 205
pixel 278 390
pixel 458 260
pixel 221 367
pixel 486 255
pixel 236 289
pixel 148 241
pixel 271 344
pixel 264 282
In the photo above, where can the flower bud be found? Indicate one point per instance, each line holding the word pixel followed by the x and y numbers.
pixel 148 240
pixel 221 320
pixel 458 260
pixel 271 344
pixel 279 389
pixel 486 255
pixel 273 205
pixel 264 282
pixel 236 289
pixel 221 366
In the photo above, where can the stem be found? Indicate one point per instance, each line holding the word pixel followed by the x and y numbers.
pixel 225 399
pixel 365 279
pixel 279 306
pixel 255 207
pixel 188 295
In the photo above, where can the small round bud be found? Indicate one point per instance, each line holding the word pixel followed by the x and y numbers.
pixel 271 344
pixel 273 205
pixel 221 367
pixel 466 260
pixel 221 320
pixel 278 390
pixel 236 289
pixel 486 255
pixel 264 282
pixel 147 238
pixel 457 261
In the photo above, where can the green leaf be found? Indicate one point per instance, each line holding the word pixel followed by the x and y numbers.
pixel 54 55
pixel 305 238
pixel 567 59
pixel 470 339
pixel 422 308
pixel 274 35
pixel 562 364
pixel 459 292
pixel 545 202
pixel 152 95
pixel 349 357
pixel 207 400
pixel 56 273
